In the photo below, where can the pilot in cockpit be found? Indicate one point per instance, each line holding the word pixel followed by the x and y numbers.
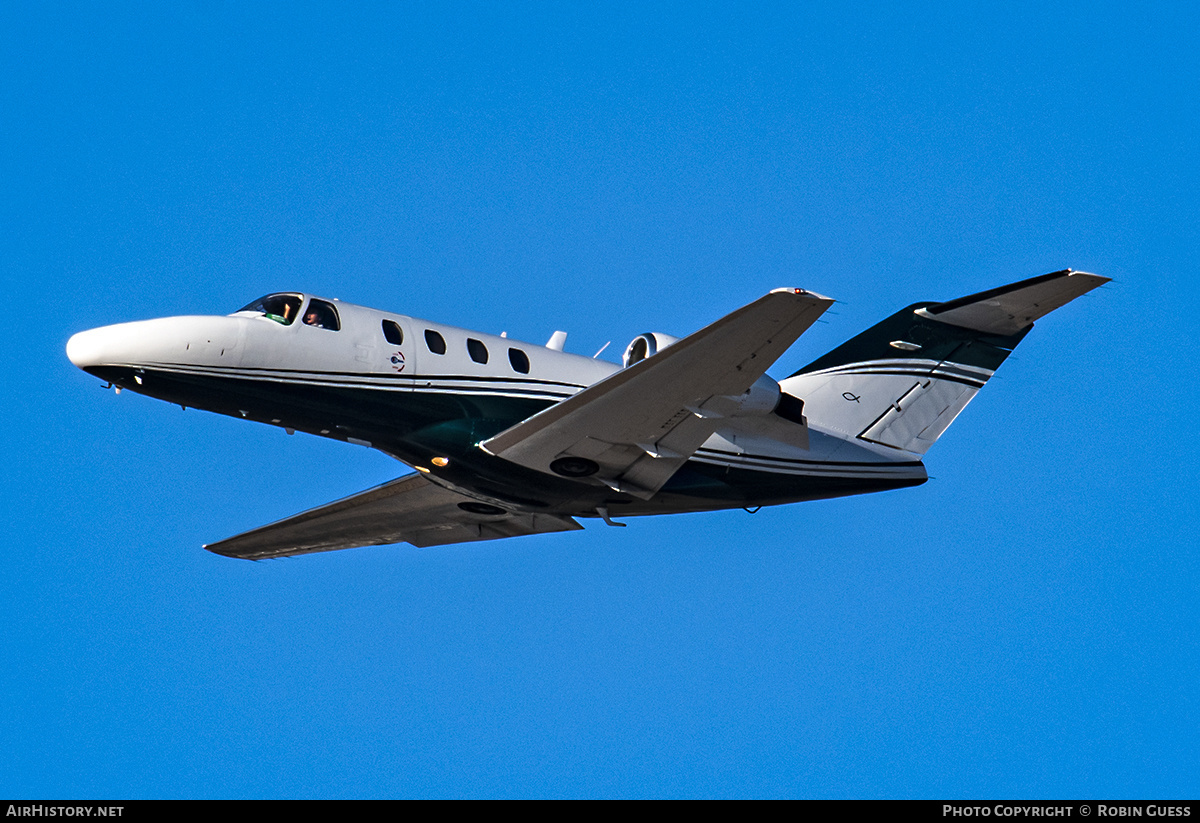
pixel 321 315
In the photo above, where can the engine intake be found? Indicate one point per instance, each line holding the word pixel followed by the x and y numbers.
pixel 646 345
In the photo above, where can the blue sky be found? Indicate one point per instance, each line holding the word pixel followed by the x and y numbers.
pixel 1024 625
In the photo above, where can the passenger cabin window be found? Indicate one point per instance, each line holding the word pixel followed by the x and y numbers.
pixel 435 342
pixel 477 350
pixel 519 360
pixel 392 333
pixel 322 315
pixel 282 308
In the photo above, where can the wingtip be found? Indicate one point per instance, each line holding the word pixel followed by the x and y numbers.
pixel 803 293
pixel 1087 275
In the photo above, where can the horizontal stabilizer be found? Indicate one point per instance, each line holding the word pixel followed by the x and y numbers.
pixel 1009 309
pixel 410 509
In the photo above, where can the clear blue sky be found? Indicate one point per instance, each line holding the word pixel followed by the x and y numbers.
pixel 1024 625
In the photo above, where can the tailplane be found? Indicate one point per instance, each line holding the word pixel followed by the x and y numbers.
pixel 902 382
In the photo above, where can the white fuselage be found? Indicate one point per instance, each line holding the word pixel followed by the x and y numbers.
pixel 441 388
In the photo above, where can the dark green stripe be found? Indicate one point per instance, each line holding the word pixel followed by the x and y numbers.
pixel 938 342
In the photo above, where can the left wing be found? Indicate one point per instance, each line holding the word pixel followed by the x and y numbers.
pixel 410 509
pixel 634 429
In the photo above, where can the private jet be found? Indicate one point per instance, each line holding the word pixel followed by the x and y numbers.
pixel 512 438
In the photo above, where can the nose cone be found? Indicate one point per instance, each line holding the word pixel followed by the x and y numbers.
pixel 90 348
pixel 149 343
pixel 124 344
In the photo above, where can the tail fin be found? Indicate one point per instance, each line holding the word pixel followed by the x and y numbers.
pixel 902 382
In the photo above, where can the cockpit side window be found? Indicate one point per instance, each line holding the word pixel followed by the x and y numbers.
pixel 322 315
pixel 282 308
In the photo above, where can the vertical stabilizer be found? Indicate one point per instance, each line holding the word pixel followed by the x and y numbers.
pixel 902 382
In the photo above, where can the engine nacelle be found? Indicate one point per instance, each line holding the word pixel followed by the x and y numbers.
pixel 762 398
pixel 645 345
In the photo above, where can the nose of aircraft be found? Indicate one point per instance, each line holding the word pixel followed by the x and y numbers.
pixel 90 348
pixel 151 342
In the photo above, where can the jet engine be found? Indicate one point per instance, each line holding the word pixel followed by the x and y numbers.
pixel 763 397
pixel 645 345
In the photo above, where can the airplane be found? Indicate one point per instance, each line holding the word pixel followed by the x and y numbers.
pixel 512 438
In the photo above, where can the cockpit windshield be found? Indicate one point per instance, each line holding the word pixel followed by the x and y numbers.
pixel 282 308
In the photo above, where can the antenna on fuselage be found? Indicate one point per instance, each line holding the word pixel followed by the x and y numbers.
pixel 557 341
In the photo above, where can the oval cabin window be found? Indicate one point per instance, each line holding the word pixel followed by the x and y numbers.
pixel 392 332
pixel 435 342
pixel 477 350
pixel 519 360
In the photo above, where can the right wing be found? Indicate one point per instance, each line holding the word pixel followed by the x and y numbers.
pixel 410 509
pixel 634 429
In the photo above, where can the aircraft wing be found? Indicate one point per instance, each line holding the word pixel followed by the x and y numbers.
pixel 639 425
pixel 410 509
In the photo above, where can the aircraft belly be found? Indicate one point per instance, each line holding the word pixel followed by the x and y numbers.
pixel 415 426
pixel 702 486
pixel 412 425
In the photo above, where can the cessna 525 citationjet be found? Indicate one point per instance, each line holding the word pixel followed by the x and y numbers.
pixel 512 438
